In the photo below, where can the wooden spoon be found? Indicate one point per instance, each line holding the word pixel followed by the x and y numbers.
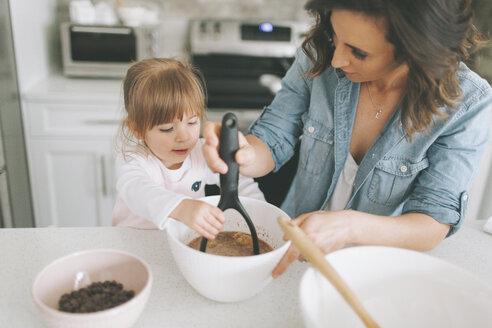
pixel 315 255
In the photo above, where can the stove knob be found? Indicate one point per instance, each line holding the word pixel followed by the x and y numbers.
pixel 217 27
pixel 203 27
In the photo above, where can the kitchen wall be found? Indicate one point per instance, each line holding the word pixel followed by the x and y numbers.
pixel 278 9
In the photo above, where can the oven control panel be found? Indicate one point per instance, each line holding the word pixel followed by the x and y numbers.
pixel 251 38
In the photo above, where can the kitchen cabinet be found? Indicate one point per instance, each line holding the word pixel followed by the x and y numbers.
pixel 72 182
pixel 71 148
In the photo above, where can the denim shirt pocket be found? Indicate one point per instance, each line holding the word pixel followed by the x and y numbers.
pixel 392 179
pixel 316 146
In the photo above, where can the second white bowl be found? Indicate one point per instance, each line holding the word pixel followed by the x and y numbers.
pixel 399 288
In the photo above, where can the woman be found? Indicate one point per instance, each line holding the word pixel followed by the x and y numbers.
pixel 391 124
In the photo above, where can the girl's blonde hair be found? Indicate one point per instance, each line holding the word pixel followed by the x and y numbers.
pixel 157 91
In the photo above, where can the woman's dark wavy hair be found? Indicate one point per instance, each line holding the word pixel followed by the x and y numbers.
pixel 431 36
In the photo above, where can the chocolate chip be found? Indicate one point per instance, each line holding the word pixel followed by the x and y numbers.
pixel 97 296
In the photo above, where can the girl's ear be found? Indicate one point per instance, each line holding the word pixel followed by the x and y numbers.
pixel 131 126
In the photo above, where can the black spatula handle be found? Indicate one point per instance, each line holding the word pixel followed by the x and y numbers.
pixel 229 198
pixel 228 146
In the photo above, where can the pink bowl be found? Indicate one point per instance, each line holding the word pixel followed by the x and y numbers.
pixel 80 269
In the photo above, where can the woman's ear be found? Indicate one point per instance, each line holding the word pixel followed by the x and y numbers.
pixel 131 126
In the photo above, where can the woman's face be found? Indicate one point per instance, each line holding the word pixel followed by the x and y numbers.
pixel 173 142
pixel 361 48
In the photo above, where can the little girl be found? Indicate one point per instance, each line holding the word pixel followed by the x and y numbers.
pixel 161 170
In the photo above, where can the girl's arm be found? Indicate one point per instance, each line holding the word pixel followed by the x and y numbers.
pixel 141 194
pixel 333 230
pixel 149 200
pixel 202 217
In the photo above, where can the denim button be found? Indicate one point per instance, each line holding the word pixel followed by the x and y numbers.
pixel 465 197
pixel 403 168
pixel 311 129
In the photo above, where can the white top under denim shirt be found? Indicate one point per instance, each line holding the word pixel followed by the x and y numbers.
pixel 430 174
pixel 345 184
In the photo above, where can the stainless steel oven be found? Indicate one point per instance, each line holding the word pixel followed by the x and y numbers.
pixel 105 51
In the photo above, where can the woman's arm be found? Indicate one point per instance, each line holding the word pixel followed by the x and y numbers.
pixel 253 156
pixel 333 230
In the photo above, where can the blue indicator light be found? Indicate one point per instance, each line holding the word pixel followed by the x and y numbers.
pixel 266 27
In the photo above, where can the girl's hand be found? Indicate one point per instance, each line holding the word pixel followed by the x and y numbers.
pixel 329 230
pixel 245 155
pixel 202 217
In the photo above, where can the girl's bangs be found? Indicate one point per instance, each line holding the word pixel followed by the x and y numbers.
pixel 177 98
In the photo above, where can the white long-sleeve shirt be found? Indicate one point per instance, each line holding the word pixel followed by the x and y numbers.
pixel 148 191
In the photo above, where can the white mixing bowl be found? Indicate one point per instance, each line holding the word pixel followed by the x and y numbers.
pixel 399 288
pixel 226 278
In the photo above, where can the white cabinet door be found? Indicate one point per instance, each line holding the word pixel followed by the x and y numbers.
pixel 72 181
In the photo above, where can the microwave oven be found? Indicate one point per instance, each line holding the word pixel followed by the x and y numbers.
pixel 105 51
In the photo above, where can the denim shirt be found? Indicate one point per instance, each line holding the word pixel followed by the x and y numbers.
pixel 431 174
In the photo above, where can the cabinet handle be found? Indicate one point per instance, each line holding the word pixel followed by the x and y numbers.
pixel 103 176
pixel 102 122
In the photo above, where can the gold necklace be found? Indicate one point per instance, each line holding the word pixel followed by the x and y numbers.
pixel 378 108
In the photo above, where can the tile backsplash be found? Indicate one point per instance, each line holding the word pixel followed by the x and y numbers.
pixel 262 9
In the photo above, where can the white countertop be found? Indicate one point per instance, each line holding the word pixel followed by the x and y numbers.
pixel 173 303
pixel 61 88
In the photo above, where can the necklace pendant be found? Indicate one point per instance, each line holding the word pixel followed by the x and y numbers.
pixel 379 112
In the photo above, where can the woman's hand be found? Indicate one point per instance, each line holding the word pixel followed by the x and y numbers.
pixel 329 230
pixel 211 132
pixel 202 217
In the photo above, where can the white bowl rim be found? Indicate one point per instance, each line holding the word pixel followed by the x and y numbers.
pixel 401 250
pixel 229 258
pixel 103 313
pixel 309 272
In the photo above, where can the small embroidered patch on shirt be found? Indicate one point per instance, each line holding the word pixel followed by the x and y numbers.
pixel 196 185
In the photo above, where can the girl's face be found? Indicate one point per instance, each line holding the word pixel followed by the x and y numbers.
pixel 361 48
pixel 172 142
